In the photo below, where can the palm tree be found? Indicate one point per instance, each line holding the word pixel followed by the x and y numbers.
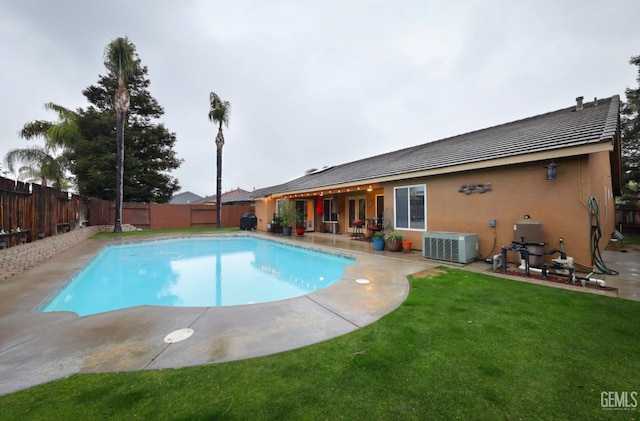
pixel 119 60
pixel 45 163
pixel 58 134
pixel 219 113
pixel 38 164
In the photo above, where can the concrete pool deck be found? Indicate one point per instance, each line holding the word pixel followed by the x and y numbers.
pixel 39 347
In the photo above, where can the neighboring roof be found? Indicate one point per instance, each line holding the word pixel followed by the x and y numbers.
pixel 596 123
pixel 185 198
pixel 246 197
pixel 226 197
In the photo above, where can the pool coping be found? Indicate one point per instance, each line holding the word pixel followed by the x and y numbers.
pixel 167 238
pixel 40 347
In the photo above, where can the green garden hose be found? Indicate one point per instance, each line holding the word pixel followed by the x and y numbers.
pixel 596 234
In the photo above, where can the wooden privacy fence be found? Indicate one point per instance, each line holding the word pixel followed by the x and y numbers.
pixel 30 211
pixel 628 218
pixel 148 216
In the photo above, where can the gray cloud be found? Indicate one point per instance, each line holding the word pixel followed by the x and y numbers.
pixel 318 83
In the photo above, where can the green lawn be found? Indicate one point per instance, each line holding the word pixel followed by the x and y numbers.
pixel 632 239
pixel 462 346
pixel 164 231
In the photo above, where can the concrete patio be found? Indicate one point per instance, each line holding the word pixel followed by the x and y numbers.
pixel 40 347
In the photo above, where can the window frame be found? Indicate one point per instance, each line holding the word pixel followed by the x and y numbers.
pixel 408 215
pixel 329 210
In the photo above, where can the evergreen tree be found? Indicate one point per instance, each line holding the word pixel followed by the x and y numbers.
pixel 148 146
pixel 631 139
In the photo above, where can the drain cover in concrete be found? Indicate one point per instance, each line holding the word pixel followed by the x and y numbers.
pixel 178 335
pixel 362 281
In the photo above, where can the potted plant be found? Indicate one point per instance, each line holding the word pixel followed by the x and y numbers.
pixel 394 240
pixel 276 225
pixel 300 223
pixel 286 213
pixel 378 240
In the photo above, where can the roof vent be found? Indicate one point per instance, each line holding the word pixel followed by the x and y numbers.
pixel 595 101
pixel 579 103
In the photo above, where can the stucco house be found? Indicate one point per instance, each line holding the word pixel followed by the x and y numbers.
pixel 552 167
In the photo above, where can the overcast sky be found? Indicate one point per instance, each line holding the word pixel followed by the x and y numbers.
pixel 318 83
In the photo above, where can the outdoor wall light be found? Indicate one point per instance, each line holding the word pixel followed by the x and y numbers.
pixel 551 170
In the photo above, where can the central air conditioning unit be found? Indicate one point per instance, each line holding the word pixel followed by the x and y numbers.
pixel 450 246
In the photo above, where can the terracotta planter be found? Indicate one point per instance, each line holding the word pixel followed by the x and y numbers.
pixel 300 230
pixel 406 245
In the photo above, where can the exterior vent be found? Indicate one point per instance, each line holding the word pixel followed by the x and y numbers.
pixel 450 246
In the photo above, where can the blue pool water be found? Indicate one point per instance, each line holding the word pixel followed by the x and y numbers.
pixel 196 272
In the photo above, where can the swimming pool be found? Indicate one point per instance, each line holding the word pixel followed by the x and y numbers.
pixel 196 272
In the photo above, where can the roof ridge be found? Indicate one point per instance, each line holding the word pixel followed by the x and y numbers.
pixel 437 141
pixel 611 123
pixel 521 120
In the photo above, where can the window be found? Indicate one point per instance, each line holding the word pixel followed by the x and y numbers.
pixel 379 206
pixel 329 212
pixel 356 209
pixel 410 207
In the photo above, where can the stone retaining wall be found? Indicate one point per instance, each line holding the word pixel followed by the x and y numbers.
pixel 18 259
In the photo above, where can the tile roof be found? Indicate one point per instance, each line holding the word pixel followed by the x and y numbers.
pixel 596 122
pixel 226 197
pixel 244 197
